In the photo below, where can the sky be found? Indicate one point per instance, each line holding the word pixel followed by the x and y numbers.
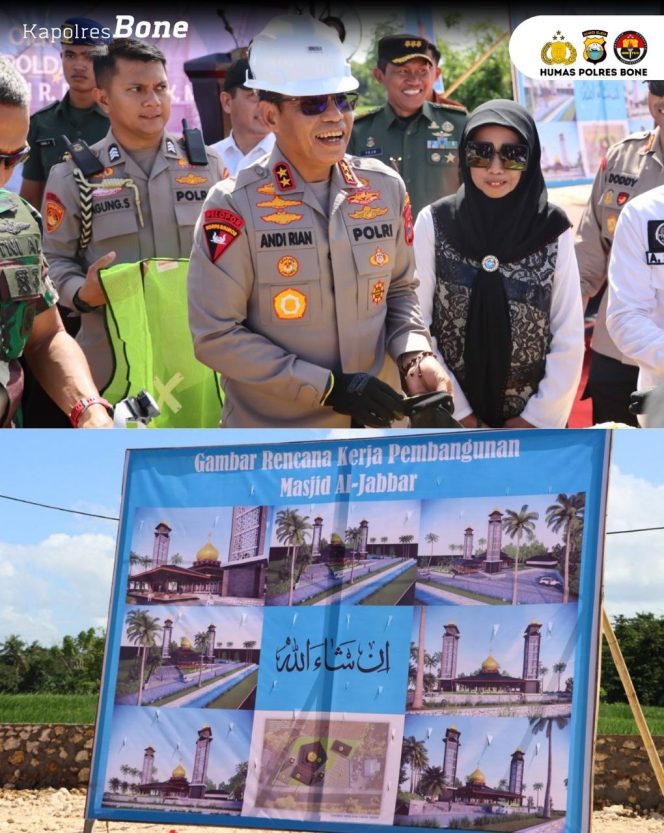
pixel 56 567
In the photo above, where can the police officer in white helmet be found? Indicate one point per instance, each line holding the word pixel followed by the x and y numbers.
pixel 301 289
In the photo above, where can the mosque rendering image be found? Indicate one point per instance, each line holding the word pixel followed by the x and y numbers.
pixel 239 580
pixel 178 792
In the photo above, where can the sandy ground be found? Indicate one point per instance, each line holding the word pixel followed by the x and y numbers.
pixel 61 811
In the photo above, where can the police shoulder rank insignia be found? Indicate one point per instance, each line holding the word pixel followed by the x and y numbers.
pixel 407 213
pixel 655 253
pixel 288 266
pixel 289 304
pixel 379 258
pixel 377 292
pixel 347 174
pixel 222 228
pixel 113 153
pixel 170 146
pixel 55 211
pixel 284 177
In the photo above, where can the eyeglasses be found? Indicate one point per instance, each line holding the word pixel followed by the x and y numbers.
pixel 513 157
pixel 656 87
pixel 11 159
pixel 316 105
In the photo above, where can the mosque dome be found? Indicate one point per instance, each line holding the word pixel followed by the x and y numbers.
pixel 208 552
pixel 477 777
pixel 490 666
pixel 179 772
pixel 185 643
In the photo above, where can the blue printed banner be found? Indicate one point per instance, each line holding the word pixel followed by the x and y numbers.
pixel 328 635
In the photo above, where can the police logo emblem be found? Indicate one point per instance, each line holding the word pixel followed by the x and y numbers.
pixel 221 227
pixel 558 51
pixel 622 198
pixel 630 47
pixel 594 45
pixel 379 258
pixel 55 211
pixel 288 266
pixel 289 304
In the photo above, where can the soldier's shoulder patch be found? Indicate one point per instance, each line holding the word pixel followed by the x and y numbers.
pixel 456 108
pixel 221 227
pixel 54 210
pixel 370 111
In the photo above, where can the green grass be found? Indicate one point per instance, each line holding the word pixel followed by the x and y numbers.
pixel 169 698
pixel 616 719
pixel 392 592
pixel 235 696
pixel 48 708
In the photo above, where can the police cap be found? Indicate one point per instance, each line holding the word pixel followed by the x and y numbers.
pixel 236 74
pixel 83 31
pixel 397 49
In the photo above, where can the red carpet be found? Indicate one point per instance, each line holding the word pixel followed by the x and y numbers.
pixel 582 410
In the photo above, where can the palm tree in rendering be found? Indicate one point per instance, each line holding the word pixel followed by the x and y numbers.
pixel 431 538
pixel 414 753
pixel 200 646
pixel 515 524
pixel 432 782
pixel 538 787
pixel 405 540
pixel 291 529
pixel 558 669
pixel 142 630
pixel 566 514
pixel 545 724
pixel 352 538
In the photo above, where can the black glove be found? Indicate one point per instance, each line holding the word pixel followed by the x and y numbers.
pixel 368 400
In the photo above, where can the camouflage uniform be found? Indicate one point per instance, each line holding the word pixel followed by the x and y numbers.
pixel 25 291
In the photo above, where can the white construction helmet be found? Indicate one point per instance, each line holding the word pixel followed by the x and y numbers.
pixel 298 55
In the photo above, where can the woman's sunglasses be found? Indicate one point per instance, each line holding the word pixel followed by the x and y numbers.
pixel 11 159
pixel 513 157
pixel 316 105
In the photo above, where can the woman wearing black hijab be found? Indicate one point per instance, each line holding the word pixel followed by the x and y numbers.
pixel 499 283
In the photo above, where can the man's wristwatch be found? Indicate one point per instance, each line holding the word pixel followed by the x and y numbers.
pixel 81 305
pixel 82 406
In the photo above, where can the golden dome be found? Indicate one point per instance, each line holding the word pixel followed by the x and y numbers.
pixel 185 643
pixel 208 552
pixel 490 666
pixel 178 772
pixel 477 777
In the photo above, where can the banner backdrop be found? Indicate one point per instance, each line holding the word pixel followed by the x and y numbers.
pixel 341 635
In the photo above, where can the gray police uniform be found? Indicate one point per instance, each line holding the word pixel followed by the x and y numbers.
pixel 632 166
pixel 283 289
pixel 423 150
pixel 136 215
pixel 47 127
pixel 25 291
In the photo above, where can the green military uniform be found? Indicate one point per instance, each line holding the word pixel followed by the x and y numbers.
pixel 46 128
pixel 424 150
pixel 25 290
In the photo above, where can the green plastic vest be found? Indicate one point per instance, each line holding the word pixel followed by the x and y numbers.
pixel 148 327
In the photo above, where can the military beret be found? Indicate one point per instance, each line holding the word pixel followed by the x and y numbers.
pixel 398 49
pixel 83 31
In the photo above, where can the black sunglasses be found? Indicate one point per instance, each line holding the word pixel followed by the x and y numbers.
pixel 316 105
pixel 513 157
pixel 656 87
pixel 11 159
